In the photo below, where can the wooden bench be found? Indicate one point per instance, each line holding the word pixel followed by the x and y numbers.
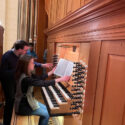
pixel 22 120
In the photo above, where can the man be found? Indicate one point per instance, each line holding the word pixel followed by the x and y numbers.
pixel 7 70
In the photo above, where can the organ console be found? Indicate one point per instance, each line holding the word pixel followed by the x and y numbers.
pixel 67 99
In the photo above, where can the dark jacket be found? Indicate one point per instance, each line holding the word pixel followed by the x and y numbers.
pixel 7 70
pixel 22 106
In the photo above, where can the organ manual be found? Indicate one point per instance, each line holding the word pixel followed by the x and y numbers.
pixel 64 68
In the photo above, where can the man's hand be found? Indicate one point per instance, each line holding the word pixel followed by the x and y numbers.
pixel 51 72
pixel 47 65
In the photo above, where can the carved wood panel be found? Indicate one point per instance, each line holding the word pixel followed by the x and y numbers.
pixel 110 101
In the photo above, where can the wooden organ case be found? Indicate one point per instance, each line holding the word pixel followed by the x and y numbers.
pixel 95 34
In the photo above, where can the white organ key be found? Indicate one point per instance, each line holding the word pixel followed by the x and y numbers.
pixel 55 94
pixel 63 92
pixel 48 99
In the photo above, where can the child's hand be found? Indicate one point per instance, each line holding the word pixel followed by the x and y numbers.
pixel 63 79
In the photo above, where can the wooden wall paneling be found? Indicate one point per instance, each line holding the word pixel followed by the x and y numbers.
pixel 68 6
pixel 55 2
pixel 48 10
pixel 114 102
pixel 87 1
pixel 47 6
pixel 84 52
pixel 82 2
pixel 49 13
pixel 35 23
pixel 75 4
pixel 96 14
pixel 52 13
pixel 41 26
pixel 58 10
pixel 62 9
pixel 94 55
pixel 65 50
pixel 50 52
pixel 108 25
pixel 110 101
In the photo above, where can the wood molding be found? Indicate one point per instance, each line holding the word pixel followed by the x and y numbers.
pixel 106 21
pixel 90 11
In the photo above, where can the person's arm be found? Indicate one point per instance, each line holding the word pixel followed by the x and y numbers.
pixel 37 64
pixel 46 65
pixel 37 82
pixel 40 77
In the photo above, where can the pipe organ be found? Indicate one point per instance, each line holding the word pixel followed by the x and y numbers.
pixel 93 37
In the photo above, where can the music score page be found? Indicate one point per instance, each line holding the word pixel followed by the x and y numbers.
pixel 64 68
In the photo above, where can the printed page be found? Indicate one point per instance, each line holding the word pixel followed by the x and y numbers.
pixel 64 68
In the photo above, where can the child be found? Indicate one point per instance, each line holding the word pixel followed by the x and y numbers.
pixel 25 103
pixel 31 51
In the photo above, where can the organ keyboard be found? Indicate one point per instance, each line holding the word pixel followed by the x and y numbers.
pixel 57 99
pixel 67 100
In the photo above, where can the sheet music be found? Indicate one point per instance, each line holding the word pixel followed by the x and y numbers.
pixel 64 68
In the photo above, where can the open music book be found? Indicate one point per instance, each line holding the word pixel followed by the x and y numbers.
pixel 64 68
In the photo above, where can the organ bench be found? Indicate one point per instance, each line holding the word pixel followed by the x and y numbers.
pixel 22 120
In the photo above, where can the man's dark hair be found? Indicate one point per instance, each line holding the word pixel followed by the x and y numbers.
pixel 20 44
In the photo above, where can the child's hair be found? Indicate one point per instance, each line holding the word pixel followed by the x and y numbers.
pixel 22 66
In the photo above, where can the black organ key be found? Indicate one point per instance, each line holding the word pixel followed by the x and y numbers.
pixel 77 112
pixel 59 94
pixel 52 97
pixel 75 89
pixel 75 102
pixel 78 93
pixel 79 86
pixel 79 97
pixel 74 108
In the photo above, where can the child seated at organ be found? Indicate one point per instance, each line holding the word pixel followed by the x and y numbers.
pixel 25 102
